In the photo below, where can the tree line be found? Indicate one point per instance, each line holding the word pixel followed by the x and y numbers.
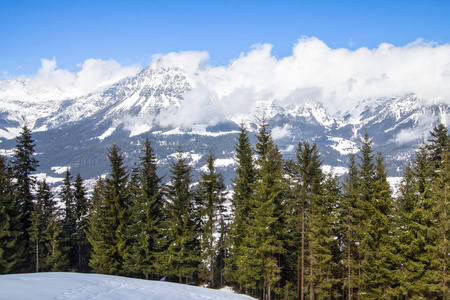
pixel 294 232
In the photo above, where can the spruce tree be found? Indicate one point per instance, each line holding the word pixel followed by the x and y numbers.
pixel 442 226
pixel 182 254
pixel 306 181
pixel 242 205
pixel 427 282
pixel 411 232
pixel 379 248
pixel 352 217
pixel 147 214
pixel 82 208
pixel 211 194
pixel 69 221
pixel 11 230
pixel 264 244
pixel 109 219
pixel 438 143
pixel 45 233
pixel 23 165
pixel 328 268
pixel 366 189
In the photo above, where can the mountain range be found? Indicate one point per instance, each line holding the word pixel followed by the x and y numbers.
pixel 76 132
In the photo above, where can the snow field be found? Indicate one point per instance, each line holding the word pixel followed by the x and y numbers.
pixel 39 286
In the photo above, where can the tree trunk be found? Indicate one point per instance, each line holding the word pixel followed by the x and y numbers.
pixel 79 256
pixel 298 276
pixel 445 241
pixel 37 257
pixel 302 295
pixel 350 296
pixel 311 259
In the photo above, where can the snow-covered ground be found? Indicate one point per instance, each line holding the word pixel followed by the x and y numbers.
pixel 92 286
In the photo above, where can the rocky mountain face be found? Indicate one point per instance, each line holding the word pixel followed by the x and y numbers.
pixel 77 132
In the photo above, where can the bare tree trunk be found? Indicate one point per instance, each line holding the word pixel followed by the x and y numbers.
pixel 445 241
pixel 302 295
pixel 37 256
pixel 350 296
pixel 311 259
pixel 79 256
pixel 299 290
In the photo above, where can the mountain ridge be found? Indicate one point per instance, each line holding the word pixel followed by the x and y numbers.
pixel 133 108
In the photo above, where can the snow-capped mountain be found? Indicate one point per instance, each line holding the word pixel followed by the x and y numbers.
pixel 76 131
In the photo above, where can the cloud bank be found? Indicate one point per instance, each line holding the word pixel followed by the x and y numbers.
pixel 339 78
pixel 53 83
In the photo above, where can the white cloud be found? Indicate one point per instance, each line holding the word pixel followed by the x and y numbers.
pixel 280 132
pixel 53 83
pixel 421 130
pixel 339 78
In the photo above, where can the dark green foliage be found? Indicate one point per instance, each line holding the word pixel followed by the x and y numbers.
pixel 438 143
pixel 411 232
pixel 109 219
pixel 45 233
pixel 211 194
pixel 148 242
pixel 69 221
pixel 11 230
pixel 263 244
pixel 82 207
pixel 23 165
pixel 306 190
pixel 243 185
pixel 352 218
pixel 378 242
pixel 182 255
pixel 327 271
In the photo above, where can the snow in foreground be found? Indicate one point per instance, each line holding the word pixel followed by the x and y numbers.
pixel 93 286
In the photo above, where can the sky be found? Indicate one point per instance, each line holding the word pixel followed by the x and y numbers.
pixel 132 32
pixel 234 53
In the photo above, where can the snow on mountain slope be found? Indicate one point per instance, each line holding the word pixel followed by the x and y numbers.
pixel 92 286
pixel 144 94
pixel 77 131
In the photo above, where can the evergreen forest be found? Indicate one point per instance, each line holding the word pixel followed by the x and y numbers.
pixel 283 230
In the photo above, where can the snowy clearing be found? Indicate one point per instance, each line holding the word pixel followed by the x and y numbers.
pixel 92 286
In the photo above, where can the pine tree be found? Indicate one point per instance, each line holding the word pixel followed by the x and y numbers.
pixel 23 164
pixel 147 213
pixel 11 231
pixel 182 254
pixel 82 207
pixel 109 219
pixel 242 206
pixel 211 194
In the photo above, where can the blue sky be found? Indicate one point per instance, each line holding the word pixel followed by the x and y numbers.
pixel 131 32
